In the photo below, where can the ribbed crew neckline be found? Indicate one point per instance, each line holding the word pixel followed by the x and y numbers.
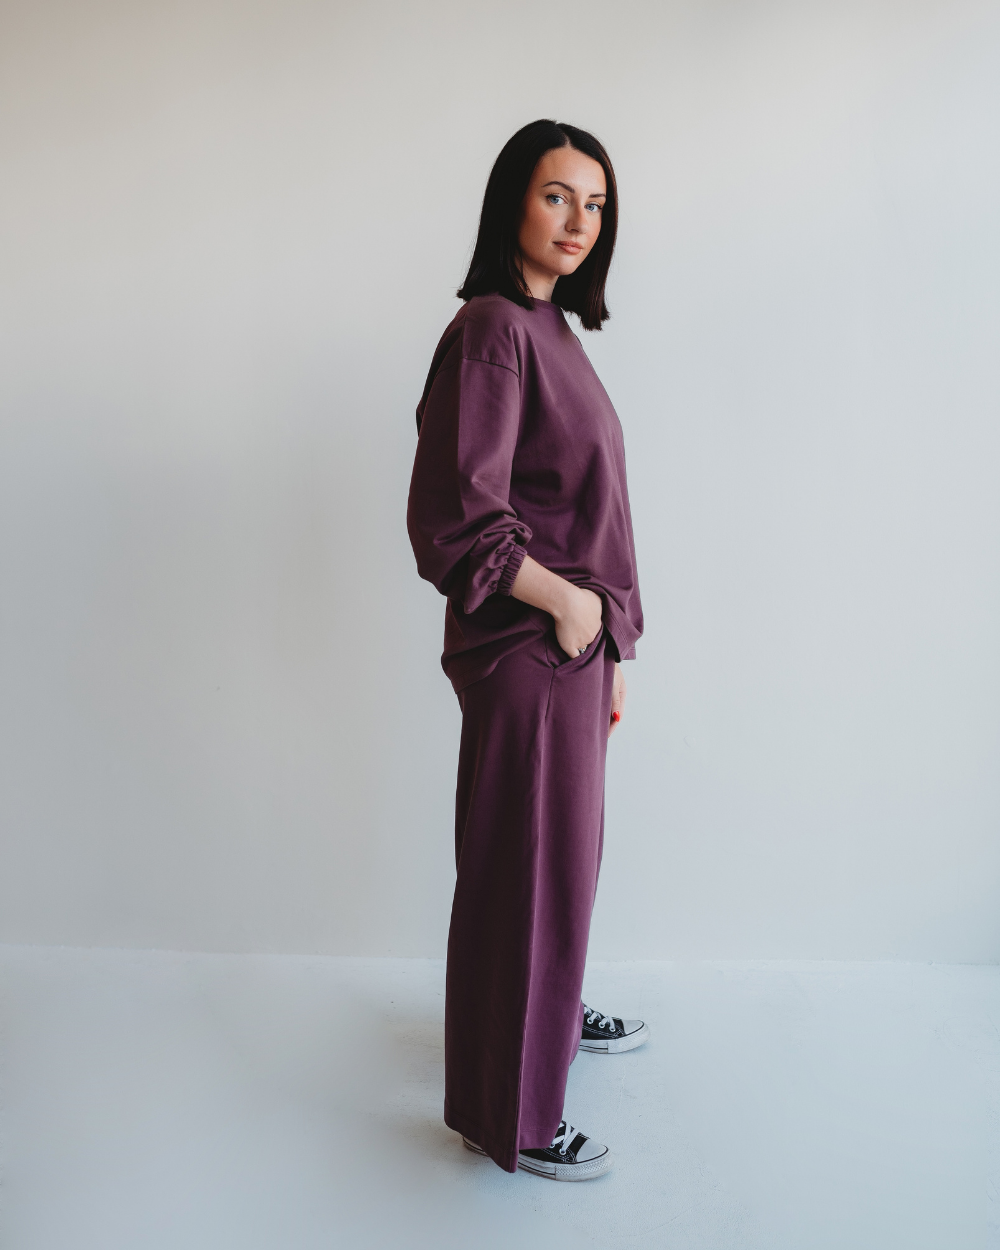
pixel 553 310
pixel 547 304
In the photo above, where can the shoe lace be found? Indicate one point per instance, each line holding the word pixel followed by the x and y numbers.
pixel 605 1022
pixel 565 1133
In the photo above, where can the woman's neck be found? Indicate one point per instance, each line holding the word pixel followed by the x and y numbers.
pixel 539 283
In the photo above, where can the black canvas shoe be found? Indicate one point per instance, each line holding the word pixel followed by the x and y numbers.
pixel 608 1035
pixel 571 1157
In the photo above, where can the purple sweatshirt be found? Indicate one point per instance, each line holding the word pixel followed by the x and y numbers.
pixel 519 451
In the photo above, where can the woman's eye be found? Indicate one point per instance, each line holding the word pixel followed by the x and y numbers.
pixel 554 199
pixel 595 207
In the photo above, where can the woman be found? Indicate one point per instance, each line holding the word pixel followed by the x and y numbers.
pixel 518 512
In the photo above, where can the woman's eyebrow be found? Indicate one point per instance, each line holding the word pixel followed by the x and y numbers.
pixel 572 190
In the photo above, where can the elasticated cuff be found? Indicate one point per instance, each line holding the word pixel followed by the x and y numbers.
pixel 511 569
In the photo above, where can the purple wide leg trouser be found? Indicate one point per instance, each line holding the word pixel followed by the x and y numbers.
pixel 529 832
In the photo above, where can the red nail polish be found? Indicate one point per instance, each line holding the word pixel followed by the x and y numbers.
pixel 616 716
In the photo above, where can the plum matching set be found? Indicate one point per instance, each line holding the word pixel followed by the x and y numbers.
pixel 520 451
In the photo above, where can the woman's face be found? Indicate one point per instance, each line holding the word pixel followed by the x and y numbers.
pixel 560 218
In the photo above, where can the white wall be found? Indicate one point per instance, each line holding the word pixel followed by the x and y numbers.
pixel 230 238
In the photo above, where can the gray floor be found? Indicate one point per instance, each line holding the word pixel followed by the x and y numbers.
pixel 156 1100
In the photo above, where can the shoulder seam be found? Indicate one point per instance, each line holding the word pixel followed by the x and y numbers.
pixel 480 361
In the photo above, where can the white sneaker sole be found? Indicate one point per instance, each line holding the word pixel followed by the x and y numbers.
pixel 615 1045
pixel 555 1171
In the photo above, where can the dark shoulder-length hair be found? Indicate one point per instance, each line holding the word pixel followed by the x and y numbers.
pixel 496 265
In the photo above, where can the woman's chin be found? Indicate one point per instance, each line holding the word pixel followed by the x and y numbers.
pixel 566 265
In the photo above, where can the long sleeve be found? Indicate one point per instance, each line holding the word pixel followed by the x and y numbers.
pixel 467 539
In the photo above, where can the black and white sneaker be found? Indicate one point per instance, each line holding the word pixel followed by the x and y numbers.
pixel 571 1157
pixel 608 1035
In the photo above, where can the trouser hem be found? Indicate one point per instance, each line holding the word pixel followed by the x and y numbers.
pixel 503 1157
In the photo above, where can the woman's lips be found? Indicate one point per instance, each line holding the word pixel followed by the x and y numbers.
pixel 571 248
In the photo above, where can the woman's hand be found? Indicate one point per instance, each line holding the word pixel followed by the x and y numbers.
pixel 617 700
pixel 578 620
pixel 577 612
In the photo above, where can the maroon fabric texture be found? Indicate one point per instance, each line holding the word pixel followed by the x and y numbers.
pixel 528 837
pixel 519 449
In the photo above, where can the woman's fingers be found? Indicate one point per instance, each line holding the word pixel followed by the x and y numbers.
pixel 619 690
pixel 617 700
